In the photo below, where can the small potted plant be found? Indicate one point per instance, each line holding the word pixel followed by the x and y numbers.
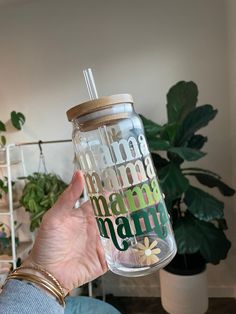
pixel 40 193
pixel 17 120
pixel 4 202
pixel 5 239
pixel 197 216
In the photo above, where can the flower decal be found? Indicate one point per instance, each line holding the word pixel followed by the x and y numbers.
pixel 147 252
pixel 114 135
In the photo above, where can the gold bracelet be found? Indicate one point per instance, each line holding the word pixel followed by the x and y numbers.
pixel 44 272
pixel 39 281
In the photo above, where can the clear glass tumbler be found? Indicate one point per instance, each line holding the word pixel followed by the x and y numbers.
pixel 122 185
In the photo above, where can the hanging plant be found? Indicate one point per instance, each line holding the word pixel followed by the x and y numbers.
pixel 39 194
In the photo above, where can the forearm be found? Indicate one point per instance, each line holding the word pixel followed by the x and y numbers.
pixel 24 298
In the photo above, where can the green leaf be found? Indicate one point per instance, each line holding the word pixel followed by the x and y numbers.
pixel 196 119
pixel 32 206
pixel 168 132
pixel 211 181
pixel 222 224
pixel 214 244
pixel 3 140
pixel 151 128
pixel 2 127
pixel 181 99
pixel 172 181
pixel 159 161
pixel 17 119
pixel 38 215
pixel 186 153
pixel 192 235
pixel 197 141
pixel 156 144
pixel 185 236
pixel 203 205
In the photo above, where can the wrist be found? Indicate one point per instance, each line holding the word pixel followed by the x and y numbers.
pixel 40 278
pixel 33 268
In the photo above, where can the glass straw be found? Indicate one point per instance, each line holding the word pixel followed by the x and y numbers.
pixel 90 83
pixel 93 94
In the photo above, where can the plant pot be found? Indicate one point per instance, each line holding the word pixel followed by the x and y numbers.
pixel 184 285
pixel 184 294
pixel 14 155
pixel 3 159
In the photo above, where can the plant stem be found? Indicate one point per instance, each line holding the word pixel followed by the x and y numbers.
pixel 199 170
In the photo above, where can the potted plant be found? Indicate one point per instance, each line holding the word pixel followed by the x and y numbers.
pixel 17 120
pixel 4 191
pixel 39 194
pixel 197 216
pixel 5 239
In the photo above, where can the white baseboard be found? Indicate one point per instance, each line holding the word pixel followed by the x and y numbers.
pixel 154 291
pixel 222 291
pixel 119 286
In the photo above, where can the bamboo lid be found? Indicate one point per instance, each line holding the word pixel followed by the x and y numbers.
pixel 97 104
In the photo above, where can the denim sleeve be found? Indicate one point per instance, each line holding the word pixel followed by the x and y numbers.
pixel 24 298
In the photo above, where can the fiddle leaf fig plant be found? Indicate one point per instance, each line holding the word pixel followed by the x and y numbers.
pixel 17 120
pixel 197 216
pixel 39 194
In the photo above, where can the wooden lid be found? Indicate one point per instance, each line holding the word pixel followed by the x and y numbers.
pixel 97 104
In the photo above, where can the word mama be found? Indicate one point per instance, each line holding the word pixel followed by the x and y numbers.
pixel 125 195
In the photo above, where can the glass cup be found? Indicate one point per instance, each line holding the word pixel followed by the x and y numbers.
pixel 122 185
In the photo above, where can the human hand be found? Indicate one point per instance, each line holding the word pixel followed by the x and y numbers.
pixel 68 243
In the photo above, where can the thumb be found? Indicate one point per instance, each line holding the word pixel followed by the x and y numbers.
pixel 69 197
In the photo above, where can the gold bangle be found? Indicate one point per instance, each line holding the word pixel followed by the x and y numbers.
pixel 39 281
pixel 46 273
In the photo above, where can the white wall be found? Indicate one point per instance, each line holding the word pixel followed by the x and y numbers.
pixel 135 46
pixel 231 18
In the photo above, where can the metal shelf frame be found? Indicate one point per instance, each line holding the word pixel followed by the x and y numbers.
pixel 10 213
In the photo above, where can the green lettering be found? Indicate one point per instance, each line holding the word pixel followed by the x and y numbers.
pixel 141 220
pixel 146 221
pixel 139 198
pixel 156 190
pixel 123 228
pixel 163 213
pixel 102 227
pixel 117 204
pixel 100 206
pixel 104 233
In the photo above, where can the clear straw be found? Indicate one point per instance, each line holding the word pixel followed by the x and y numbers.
pixel 90 83
pixel 92 91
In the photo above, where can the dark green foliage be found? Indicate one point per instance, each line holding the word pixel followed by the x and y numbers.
pixel 198 217
pixel 40 193
pixel 5 240
pixel 4 186
pixel 2 126
pixel 17 120
pixel 181 99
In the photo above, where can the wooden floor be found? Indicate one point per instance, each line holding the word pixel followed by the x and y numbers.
pixel 136 305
